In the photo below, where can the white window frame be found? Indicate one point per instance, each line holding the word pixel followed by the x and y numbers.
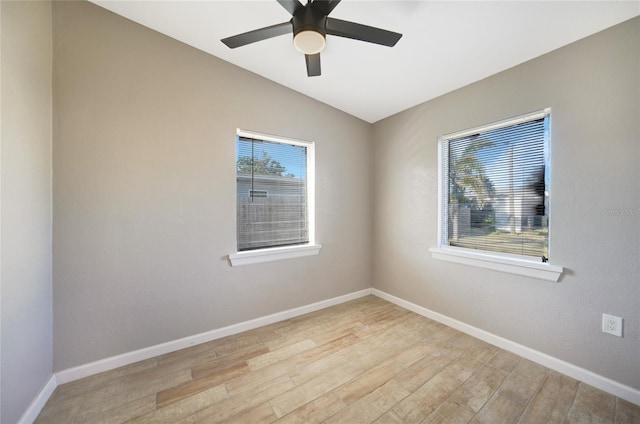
pixel 255 256
pixel 496 261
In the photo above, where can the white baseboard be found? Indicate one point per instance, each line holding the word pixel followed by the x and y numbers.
pixel 38 403
pixel 71 374
pixel 117 361
pixel 610 386
pixel 107 364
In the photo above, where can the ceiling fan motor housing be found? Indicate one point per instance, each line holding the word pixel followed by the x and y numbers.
pixel 309 19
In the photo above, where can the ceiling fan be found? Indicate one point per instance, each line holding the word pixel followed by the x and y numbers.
pixel 310 25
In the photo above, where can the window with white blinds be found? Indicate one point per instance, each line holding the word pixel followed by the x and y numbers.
pixel 272 192
pixel 494 194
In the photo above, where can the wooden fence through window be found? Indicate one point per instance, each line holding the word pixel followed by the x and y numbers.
pixel 271 221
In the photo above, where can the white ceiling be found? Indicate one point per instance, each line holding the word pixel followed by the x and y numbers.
pixel 445 45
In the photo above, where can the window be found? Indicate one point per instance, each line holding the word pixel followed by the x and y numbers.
pixel 494 195
pixel 274 198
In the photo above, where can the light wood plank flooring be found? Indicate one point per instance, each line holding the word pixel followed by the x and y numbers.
pixel 365 361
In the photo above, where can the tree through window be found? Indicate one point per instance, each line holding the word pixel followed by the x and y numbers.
pixel 494 192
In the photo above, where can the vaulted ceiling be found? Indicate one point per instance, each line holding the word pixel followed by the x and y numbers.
pixel 445 45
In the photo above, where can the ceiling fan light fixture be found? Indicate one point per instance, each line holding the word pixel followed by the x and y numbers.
pixel 309 42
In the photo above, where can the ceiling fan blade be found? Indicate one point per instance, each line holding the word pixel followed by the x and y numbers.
pixel 292 6
pixel 257 35
pixel 362 32
pixel 313 64
pixel 325 6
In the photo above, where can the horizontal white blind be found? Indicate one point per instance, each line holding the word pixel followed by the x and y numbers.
pixel 496 189
pixel 271 194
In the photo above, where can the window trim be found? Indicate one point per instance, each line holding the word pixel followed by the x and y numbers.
pixel 497 261
pixel 257 256
pixel 260 255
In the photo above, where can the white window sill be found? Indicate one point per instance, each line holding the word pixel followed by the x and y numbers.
pixel 527 268
pixel 273 254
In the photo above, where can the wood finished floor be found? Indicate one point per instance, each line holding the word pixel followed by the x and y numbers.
pixel 365 361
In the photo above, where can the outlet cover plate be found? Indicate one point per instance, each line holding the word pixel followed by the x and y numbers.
pixel 612 324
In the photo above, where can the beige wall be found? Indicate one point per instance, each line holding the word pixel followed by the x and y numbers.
pixel 593 88
pixel 144 206
pixel 25 205
pixel 144 190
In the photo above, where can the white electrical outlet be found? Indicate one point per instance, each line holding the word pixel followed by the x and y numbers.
pixel 612 325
